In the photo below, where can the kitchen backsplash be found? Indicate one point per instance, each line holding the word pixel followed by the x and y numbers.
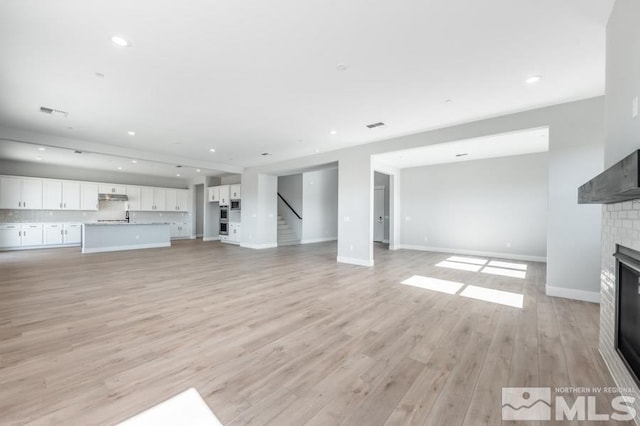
pixel 109 210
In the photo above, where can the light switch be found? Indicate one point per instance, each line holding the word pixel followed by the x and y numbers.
pixel 347 219
pixel 634 107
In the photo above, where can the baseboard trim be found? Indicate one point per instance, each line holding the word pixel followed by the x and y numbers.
pixel 48 246
pixel 123 248
pixel 475 253
pixel 570 293
pixel 318 240
pixel 354 261
pixel 210 238
pixel 258 246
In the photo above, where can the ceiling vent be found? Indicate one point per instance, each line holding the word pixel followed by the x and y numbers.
pixel 374 125
pixel 47 110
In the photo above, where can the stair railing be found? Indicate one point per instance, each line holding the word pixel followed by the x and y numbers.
pixel 289 205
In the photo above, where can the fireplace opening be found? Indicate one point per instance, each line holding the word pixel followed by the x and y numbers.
pixel 627 339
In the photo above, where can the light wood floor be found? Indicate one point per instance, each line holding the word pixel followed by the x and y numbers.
pixel 283 336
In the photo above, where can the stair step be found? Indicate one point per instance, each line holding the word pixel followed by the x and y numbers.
pixel 288 243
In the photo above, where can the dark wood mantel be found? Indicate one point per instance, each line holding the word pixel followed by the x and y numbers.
pixel 616 184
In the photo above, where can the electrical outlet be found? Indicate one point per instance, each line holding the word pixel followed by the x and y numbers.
pixel 508 245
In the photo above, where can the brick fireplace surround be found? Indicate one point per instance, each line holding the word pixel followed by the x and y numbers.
pixel 620 225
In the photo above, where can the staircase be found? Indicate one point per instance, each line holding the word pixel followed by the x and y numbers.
pixel 286 236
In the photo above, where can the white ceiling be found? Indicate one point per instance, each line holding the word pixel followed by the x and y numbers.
pixel 86 159
pixel 246 77
pixel 500 145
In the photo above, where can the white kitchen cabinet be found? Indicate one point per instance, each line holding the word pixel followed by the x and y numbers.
pixel 31 234
pixel 88 196
pixel 146 199
pixel 234 233
pixel 134 198
pixel 51 194
pixel 152 199
pixel 182 200
pixel 112 188
pixel 234 192
pixel 72 233
pixel 180 230
pixel 171 199
pixel 224 195
pixel 10 235
pixel 70 195
pixel 61 195
pixel 214 194
pixel 53 234
pixel 20 193
pixel 160 199
pixel 62 233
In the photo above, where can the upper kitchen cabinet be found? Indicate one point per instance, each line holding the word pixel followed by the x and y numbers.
pixel 62 195
pixel 20 193
pixel 234 192
pixel 214 194
pixel 224 195
pixel 134 198
pixel 88 196
pixel 152 199
pixel 182 200
pixel 112 188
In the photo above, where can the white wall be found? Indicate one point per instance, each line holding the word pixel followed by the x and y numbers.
pixel 290 187
pixel 259 210
pixel 576 136
pixel 622 81
pixel 320 202
pixel 496 207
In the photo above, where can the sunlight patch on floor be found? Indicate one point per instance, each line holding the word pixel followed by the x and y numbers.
pixel 459 266
pixel 435 284
pixel 506 298
pixel 504 272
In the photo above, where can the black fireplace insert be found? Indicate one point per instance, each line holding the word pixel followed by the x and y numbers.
pixel 627 338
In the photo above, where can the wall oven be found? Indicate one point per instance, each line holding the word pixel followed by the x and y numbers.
pixel 224 228
pixel 224 213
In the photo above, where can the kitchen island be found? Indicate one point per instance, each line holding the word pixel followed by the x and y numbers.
pixel 101 237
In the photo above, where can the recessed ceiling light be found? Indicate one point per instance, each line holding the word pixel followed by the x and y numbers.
pixel 134 161
pixel 119 168
pixel 333 132
pixel 131 133
pixel 178 174
pixel 198 170
pixel 317 150
pixel 42 149
pixel 38 158
pixel 533 79
pixel 120 41
pixel 212 150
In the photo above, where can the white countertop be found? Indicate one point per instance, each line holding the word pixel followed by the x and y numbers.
pixel 123 223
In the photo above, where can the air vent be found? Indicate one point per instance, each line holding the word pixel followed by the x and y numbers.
pixel 179 166
pixel 462 155
pixel 47 110
pixel 374 125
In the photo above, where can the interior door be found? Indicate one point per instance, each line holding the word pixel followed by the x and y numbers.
pixel 378 214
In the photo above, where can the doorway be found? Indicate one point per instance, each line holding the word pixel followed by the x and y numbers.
pixel 199 210
pixel 381 207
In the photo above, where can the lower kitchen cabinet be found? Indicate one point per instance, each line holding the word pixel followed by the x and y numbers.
pixel 17 235
pixel 180 230
pixel 56 234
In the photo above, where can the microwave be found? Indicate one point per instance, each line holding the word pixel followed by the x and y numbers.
pixel 235 204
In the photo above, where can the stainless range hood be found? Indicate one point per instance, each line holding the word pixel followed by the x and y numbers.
pixel 113 197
